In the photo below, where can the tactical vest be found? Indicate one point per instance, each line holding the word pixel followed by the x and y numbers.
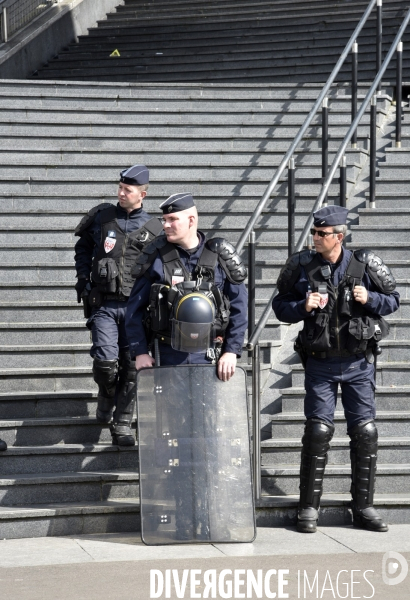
pixel 179 282
pixel 118 252
pixel 343 325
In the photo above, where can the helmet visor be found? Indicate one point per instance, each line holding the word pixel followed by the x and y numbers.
pixel 191 337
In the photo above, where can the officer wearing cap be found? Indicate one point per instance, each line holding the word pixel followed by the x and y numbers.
pixel 179 268
pixel 341 297
pixel 111 238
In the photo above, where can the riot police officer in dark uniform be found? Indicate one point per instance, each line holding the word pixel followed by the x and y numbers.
pixel 341 296
pixel 170 269
pixel 111 238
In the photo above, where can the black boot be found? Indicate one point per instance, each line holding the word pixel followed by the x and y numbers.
pixel 363 456
pixel 105 375
pixel 315 445
pixel 122 434
pixel 3 446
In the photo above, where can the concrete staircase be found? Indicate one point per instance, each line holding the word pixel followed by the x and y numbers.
pixel 385 229
pixel 214 117
pixel 226 41
pixel 62 147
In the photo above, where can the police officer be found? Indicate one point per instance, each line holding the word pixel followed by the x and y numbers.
pixel 183 261
pixel 340 296
pixel 111 238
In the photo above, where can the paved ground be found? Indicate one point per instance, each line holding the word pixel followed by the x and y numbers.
pixel 336 562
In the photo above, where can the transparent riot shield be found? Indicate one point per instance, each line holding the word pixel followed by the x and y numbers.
pixel 195 467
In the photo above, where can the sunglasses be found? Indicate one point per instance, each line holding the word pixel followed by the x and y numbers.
pixel 321 233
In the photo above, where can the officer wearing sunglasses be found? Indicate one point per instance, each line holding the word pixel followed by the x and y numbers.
pixel 341 297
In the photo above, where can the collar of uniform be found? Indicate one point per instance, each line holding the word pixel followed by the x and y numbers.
pixel 122 213
pixel 201 236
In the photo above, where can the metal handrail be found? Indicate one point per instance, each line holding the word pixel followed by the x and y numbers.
pixel 292 148
pixel 326 184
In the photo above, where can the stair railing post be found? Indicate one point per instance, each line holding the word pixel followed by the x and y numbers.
pixel 373 120
pixel 379 39
pixel 343 181
pixel 256 429
pixel 355 49
pixel 4 25
pixel 325 136
pixel 291 206
pixel 251 286
pixel 399 81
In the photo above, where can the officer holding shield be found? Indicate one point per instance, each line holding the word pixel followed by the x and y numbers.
pixel 183 281
pixel 340 296
pixel 111 239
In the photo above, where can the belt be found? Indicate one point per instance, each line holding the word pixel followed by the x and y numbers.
pixel 119 297
pixel 332 354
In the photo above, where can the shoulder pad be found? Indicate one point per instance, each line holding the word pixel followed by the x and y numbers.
pixel 290 271
pixel 378 272
pixel 147 256
pixel 89 217
pixel 229 260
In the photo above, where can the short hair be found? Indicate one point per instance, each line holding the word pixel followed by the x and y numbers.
pixel 143 188
pixel 340 229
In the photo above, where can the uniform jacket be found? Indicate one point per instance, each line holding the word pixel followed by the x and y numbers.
pixel 139 299
pixel 90 240
pixel 290 307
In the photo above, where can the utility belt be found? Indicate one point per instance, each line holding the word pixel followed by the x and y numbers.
pixel 333 354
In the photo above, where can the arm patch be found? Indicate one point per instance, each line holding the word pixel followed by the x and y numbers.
pixel 229 260
pixel 378 272
pixel 290 271
pixel 89 217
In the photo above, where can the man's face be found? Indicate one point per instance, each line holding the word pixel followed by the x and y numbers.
pixel 177 226
pixel 130 197
pixel 327 243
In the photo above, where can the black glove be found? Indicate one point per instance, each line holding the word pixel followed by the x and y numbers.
pixel 80 287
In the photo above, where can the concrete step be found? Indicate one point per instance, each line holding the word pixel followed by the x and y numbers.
pixel 82 518
pixel 70 518
pixel 284 479
pixel 391 451
pixel 290 425
pixel 40 405
pixel 51 431
pixel 68 458
pixel 34 488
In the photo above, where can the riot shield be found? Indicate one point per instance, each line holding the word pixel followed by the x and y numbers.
pixel 194 456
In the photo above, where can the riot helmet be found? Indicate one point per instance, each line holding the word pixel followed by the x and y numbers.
pixel 193 323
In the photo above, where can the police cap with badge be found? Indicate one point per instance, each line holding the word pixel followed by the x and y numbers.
pixel 177 203
pixel 136 175
pixel 330 216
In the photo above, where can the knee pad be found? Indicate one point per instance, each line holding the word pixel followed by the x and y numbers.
pixel 317 436
pixel 364 438
pixel 105 372
pixel 127 371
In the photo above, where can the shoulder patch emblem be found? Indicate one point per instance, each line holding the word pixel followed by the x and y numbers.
pixel 109 244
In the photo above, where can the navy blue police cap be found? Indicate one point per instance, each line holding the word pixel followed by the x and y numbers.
pixel 176 203
pixel 136 175
pixel 330 215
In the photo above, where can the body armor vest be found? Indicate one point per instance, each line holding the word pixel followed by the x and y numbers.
pixel 177 283
pixel 342 324
pixel 118 252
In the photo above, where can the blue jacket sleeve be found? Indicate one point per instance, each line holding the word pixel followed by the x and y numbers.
pixel 136 308
pixel 377 302
pixel 238 321
pixel 290 307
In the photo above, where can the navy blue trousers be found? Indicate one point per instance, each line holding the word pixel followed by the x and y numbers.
pixel 107 325
pixel 356 379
